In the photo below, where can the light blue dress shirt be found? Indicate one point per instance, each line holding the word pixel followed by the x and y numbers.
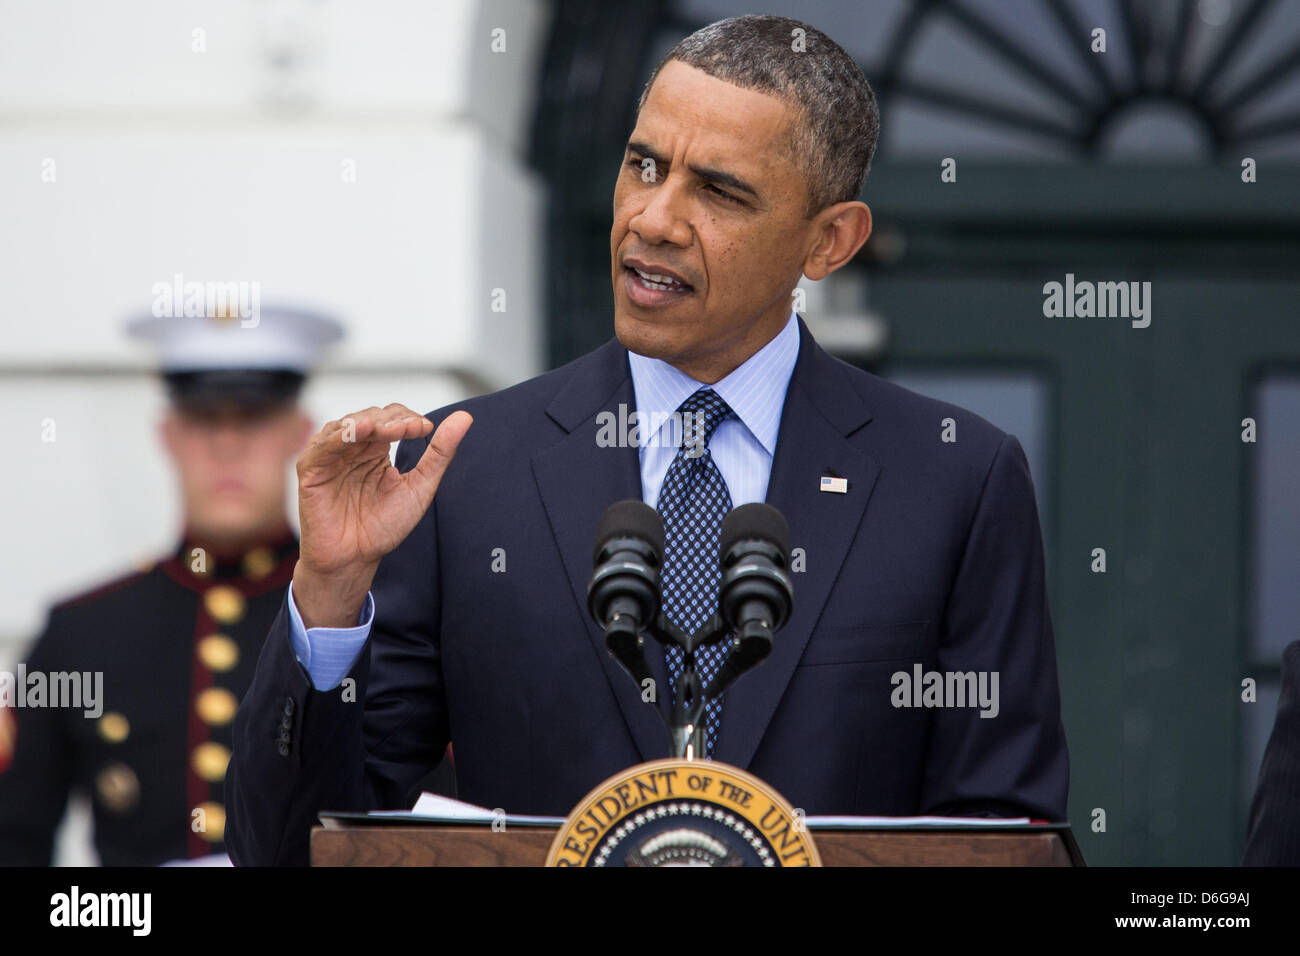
pixel 742 446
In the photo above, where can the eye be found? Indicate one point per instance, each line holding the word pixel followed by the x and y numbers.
pixel 635 163
pixel 723 195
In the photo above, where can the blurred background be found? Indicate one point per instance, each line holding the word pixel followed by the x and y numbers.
pixel 440 177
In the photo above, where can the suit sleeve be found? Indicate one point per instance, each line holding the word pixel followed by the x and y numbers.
pixel 34 788
pixel 1273 836
pixel 361 746
pixel 997 622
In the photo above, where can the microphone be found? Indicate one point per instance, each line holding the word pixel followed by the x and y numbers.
pixel 756 594
pixel 623 594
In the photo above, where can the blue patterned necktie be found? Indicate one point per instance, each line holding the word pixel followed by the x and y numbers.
pixel 693 501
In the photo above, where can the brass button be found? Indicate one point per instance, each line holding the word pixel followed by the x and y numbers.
pixel 216 706
pixel 258 563
pixel 218 652
pixel 209 761
pixel 211 823
pixel 118 787
pixel 224 603
pixel 114 727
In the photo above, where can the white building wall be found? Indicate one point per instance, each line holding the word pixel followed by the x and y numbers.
pixel 381 177
pixel 361 156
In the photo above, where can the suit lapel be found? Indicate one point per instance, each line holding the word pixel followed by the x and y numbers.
pixel 577 480
pixel 821 410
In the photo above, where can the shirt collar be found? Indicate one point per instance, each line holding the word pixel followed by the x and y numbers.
pixel 755 390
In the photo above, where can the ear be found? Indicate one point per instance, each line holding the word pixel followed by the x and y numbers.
pixel 304 428
pixel 841 230
pixel 168 432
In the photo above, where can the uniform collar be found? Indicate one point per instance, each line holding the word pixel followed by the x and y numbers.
pixel 197 566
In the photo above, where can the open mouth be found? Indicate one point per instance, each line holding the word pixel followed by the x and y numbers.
pixel 650 289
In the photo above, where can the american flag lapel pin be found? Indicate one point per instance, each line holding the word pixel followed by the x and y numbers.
pixel 838 485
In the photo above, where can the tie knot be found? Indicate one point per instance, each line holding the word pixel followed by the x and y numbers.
pixel 701 413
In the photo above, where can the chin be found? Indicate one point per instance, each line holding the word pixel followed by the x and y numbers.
pixel 643 336
pixel 231 524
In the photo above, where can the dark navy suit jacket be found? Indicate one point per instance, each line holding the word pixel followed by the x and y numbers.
pixel 1273 833
pixel 933 556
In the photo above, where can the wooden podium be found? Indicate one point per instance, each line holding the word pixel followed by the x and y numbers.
pixel 348 843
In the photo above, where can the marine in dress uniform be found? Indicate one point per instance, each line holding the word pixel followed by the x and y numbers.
pixel 177 641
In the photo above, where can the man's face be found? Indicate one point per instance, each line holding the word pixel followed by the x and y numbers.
pixel 740 250
pixel 232 462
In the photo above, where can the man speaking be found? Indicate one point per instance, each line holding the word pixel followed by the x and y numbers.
pixel 436 602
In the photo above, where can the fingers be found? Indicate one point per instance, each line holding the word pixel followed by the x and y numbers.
pixel 380 425
pixel 358 437
pixel 442 449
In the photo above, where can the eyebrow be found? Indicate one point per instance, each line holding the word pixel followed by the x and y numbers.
pixel 707 173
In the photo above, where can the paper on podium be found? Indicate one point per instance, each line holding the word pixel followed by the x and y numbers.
pixel 432 807
pixel 435 808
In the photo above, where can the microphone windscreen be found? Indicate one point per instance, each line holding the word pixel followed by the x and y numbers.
pixel 630 519
pixel 756 520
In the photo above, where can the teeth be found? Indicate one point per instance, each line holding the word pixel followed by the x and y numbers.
pixel 658 282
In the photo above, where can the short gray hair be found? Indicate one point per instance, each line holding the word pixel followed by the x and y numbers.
pixel 834 136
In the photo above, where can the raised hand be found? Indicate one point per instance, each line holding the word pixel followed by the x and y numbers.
pixel 354 507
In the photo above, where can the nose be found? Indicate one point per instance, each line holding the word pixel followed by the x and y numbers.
pixel 228 440
pixel 663 218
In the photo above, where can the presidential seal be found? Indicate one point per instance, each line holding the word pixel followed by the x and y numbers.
pixel 683 813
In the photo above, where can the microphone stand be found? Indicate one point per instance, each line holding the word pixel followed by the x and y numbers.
pixel 686 725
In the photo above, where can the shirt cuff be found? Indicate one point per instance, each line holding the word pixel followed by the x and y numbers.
pixel 328 653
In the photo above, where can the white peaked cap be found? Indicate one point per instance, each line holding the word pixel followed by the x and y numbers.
pixel 274 337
